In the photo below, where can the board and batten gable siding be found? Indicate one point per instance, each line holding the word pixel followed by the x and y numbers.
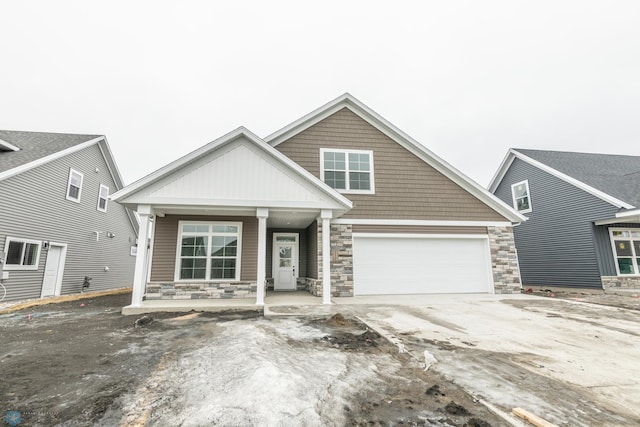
pixel 405 186
pixel 165 245
pixel 33 205
pixel 556 246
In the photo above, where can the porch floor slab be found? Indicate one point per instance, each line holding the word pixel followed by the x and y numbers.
pixel 184 306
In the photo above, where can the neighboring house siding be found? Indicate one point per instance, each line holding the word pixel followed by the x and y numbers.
pixel 405 186
pixel 165 243
pixel 33 205
pixel 604 249
pixel 556 246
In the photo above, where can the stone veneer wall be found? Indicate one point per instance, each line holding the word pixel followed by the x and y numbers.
pixel 504 260
pixel 620 282
pixel 200 290
pixel 341 243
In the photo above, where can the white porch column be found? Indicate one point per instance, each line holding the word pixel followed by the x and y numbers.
pixel 262 214
pixel 326 215
pixel 140 273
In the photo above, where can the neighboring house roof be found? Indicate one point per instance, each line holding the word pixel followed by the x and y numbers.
pixel 36 145
pixel 612 178
pixel 133 194
pixel 21 151
pixel 348 101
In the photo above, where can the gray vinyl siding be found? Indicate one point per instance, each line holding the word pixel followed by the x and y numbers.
pixel 405 186
pixel 33 205
pixel 163 263
pixel 557 245
pixel 604 250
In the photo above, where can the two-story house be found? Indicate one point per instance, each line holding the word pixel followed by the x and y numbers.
pixel 339 202
pixel 59 233
pixel 583 230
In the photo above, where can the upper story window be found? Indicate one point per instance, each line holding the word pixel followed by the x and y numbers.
pixel 74 187
pixel 626 249
pixel 348 171
pixel 521 196
pixel 103 198
pixel 209 251
pixel 21 254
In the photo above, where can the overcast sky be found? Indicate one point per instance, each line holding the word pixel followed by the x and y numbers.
pixel 468 79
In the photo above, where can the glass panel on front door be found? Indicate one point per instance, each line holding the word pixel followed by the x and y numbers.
pixel 285 256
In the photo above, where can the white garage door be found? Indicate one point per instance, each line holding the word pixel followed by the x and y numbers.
pixel 419 264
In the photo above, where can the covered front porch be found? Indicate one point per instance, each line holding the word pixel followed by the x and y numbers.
pixel 218 254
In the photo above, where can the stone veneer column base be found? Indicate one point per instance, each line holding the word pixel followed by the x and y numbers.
pixel 504 260
pixel 200 290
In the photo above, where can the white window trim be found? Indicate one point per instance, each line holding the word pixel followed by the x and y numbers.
pixel 513 196
pixel 372 190
pixel 8 267
pixel 71 172
pixel 106 199
pixel 208 267
pixel 613 240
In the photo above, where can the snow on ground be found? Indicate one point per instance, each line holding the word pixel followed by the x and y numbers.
pixel 259 372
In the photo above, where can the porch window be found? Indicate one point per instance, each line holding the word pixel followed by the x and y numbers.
pixel 348 171
pixel 21 254
pixel 626 250
pixel 521 198
pixel 209 251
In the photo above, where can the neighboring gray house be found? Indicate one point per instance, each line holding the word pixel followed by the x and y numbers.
pixel 584 217
pixel 57 224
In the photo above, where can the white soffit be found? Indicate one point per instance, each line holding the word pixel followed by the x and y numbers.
pixel 235 174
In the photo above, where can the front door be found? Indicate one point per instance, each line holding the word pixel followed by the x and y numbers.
pixel 285 261
pixel 53 270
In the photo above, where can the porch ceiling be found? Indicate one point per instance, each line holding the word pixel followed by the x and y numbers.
pixel 278 218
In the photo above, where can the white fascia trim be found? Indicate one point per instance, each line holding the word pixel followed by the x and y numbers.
pixel 422 222
pixel 502 170
pixel 422 236
pixel 230 203
pixel 8 146
pixel 41 161
pixel 226 139
pixel 579 184
pixel 631 216
pixel 390 130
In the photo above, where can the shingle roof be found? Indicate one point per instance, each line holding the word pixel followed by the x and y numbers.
pixel 616 175
pixel 35 145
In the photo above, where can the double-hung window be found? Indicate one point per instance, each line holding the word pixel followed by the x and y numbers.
pixel 103 197
pixel 626 249
pixel 521 197
pixel 209 251
pixel 74 186
pixel 348 171
pixel 21 254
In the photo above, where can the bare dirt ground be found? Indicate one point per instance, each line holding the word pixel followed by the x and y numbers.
pixel 83 363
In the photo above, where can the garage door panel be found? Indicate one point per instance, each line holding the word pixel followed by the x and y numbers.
pixel 418 265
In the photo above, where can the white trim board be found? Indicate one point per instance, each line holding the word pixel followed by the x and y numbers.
pixel 513 154
pixel 421 222
pixel 8 146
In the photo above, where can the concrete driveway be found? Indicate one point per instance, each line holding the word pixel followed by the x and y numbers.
pixel 572 363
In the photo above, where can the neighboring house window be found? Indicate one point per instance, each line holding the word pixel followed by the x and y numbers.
pixel 626 250
pixel 103 196
pixel 21 254
pixel 521 196
pixel 209 251
pixel 349 171
pixel 74 187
